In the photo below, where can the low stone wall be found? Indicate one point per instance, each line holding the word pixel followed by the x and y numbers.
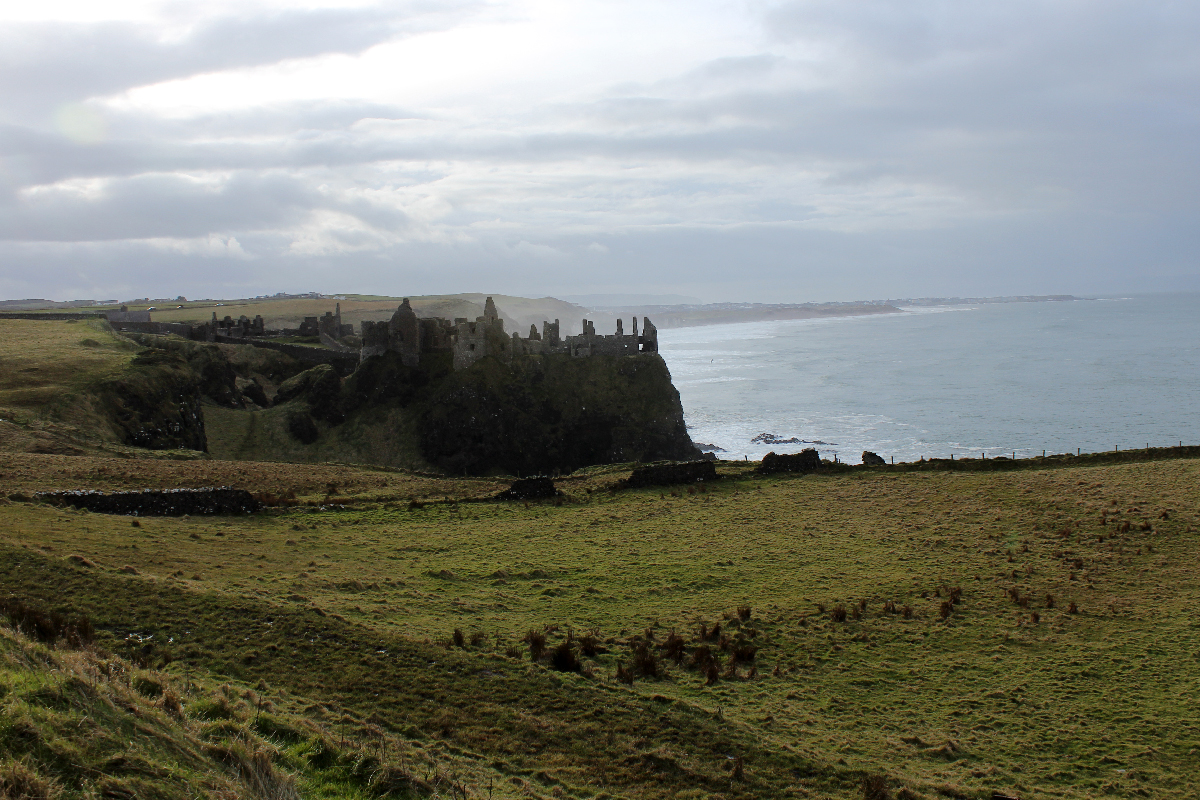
pixel 670 474
pixel 160 328
pixel 49 316
pixel 529 489
pixel 805 461
pixel 158 503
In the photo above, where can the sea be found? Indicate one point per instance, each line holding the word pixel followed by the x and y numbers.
pixel 989 379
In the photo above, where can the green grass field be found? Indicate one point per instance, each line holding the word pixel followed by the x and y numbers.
pixel 1068 667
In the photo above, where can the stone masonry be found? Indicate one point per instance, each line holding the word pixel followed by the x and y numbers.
pixel 412 337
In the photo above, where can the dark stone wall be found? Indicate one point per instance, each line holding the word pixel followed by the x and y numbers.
pixel 158 503
pixel 49 316
pixel 806 460
pixel 672 474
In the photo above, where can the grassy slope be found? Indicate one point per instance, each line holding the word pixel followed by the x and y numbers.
pixel 86 723
pixel 1071 706
pixel 48 371
pixel 40 362
pixel 370 436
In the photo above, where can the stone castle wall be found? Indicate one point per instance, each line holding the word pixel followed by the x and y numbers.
pixel 470 341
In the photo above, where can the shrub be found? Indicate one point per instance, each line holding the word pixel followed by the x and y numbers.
pixel 1072 608
pixel 563 658
pixel 537 645
pixel 478 638
pixel 838 614
pixel 170 704
pixel 945 609
pixel 889 607
pixel 589 643
pixel 644 660
pixel 624 675
pixel 674 647
pixel 713 673
pixel 907 612
pixel 875 787
pixel 743 613
pixel 1049 601
pixel 45 627
pixel 459 639
pixel 20 780
pixel 1034 618
pixel 743 651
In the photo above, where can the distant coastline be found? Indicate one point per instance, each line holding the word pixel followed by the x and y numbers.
pixel 916 302
pixel 687 316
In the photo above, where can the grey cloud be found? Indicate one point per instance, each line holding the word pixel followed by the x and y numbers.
pixel 1069 135
pixel 157 205
pixel 45 64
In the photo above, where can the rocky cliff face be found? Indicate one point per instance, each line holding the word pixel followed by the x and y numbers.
pixel 537 415
pixel 156 403
pixel 548 414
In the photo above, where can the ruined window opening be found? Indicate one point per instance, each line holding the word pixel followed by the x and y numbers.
pixel 472 347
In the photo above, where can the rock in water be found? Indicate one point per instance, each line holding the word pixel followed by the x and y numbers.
pixel 529 489
pixel 806 460
pixel 870 459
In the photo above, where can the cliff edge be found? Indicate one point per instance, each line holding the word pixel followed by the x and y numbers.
pixel 554 413
pixel 535 414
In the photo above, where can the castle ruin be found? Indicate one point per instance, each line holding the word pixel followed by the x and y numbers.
pixel 412 337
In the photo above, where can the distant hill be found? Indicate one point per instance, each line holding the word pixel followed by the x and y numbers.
pixel 612 301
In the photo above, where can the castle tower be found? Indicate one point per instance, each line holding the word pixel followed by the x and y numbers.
pixel 649 336
pixel 489 311
pixel 404 334
pixel 550 334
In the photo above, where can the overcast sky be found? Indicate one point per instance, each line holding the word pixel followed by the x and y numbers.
pixel 767 151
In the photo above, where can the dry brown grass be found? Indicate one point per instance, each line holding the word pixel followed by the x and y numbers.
pixel 35 472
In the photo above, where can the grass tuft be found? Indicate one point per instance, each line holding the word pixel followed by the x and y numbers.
pixel 537 645
pixel 564 659
pixel 875 787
